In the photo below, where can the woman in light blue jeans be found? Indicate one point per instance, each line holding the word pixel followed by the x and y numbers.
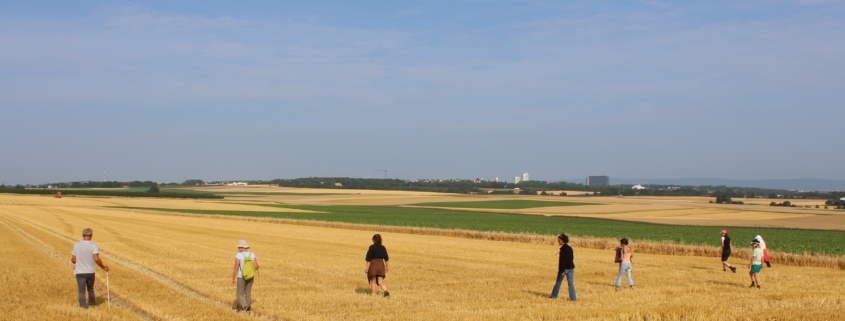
pixel 625 264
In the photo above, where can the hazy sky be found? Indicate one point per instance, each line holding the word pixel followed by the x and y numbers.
pixel 224 90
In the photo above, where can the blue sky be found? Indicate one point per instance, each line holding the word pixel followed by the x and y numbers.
pixel 221 90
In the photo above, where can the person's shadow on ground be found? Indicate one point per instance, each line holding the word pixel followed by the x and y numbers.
pixel 537 293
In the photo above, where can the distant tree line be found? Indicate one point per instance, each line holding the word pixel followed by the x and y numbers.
pixel 723 193
pixel 153 191
pixel 451 186
pixel 838 202
pixel 98 184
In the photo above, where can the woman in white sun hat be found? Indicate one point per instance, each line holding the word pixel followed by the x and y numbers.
pixel 246 268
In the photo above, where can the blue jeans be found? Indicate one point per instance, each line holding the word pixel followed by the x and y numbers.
pixel 556 290
pixel 624 268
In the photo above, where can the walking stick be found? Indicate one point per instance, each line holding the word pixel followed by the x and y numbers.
pixel 108 289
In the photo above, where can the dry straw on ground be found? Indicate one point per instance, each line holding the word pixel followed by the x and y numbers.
pixel 315 273
pixel 643 246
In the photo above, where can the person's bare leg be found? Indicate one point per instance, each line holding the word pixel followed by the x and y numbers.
pixel 373 286
pixel 383 285
pixel 757 279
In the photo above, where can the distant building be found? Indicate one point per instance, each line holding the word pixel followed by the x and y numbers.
pixel 524 177
pixel 638 186
pixel 496 179
pixel 338 184
pixel 598 180
pixel 516 179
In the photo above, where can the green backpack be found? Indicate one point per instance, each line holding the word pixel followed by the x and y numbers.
pixel 248 270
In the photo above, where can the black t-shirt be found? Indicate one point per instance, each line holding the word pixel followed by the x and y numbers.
pixel 727 246
pixel 377 252
pixel 565 260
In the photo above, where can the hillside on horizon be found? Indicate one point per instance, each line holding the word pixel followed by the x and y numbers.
pixel 800 184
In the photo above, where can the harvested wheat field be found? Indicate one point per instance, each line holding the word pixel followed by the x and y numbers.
pixel 178 267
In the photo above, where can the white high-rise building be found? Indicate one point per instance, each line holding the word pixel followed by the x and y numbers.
pixel 516 179
pixel 524 177
pixel 497 179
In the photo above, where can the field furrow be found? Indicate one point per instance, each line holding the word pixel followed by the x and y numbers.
pixel 46 285
pixel 178 267
pixel 154 296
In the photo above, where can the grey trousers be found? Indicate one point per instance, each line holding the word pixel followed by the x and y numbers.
pixel 83 282
pixel 245 292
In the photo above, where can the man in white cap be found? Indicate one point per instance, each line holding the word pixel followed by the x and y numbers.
pixel 245 268
pixel 84 254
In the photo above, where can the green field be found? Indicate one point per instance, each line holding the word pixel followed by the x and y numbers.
pixel 502 204
pixel 787 240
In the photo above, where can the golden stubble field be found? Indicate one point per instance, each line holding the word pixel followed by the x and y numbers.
pixel 171 267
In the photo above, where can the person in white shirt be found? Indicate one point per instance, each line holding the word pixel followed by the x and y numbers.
pixel 756 264
pixel 85 254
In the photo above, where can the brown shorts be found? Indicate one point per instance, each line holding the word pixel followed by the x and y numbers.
pixel 376 269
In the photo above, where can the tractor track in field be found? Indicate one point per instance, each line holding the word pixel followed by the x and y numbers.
pixel 118 300
pixel 155 275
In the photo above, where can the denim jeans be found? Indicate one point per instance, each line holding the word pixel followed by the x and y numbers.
pixel 85 282
pixel 624 268
pixel 568 273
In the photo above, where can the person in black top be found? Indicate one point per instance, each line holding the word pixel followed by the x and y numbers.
pixel 376 267
pixel 726 251
pixel 565 267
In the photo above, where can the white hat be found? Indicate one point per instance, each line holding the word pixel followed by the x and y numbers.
pixel 243 244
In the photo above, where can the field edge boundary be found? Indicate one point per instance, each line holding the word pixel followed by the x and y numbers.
pixel 641 246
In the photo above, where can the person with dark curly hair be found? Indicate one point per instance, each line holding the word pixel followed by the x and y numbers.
pixel 377 267
pixel 565 267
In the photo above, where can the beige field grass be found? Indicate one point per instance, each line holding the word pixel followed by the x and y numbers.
pixel 33 290
pixel 178 267
pixel 89 202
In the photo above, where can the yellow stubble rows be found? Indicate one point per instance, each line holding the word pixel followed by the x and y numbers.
pixel 316 273
pixel 38 287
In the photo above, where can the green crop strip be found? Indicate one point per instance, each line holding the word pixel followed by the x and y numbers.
pixel 779 239
pixel 502 204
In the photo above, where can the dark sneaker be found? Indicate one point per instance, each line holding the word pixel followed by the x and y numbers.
pixel 733 269
pixel 386 294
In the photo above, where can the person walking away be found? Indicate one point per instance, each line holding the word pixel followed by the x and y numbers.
pixel 726 251
pixel 85 254
pixel 625 264
pixel 245 270
pixel 565 267
pixel 376 267
pixel 756 263
pixel 766 258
